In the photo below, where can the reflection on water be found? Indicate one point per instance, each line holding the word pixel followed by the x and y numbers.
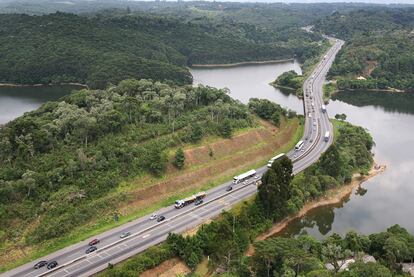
pixel 250 81
pixel 391 102
pixel 384 200
pixel 15 101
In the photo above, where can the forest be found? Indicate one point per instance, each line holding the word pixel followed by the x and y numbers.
pixel 108 47
pixel 61 165
pixel 379 46
pixel 226 240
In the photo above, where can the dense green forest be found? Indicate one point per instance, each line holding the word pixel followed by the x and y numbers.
pixel 225 240
pixel 108 47
pixel 61 164
pixel 379 46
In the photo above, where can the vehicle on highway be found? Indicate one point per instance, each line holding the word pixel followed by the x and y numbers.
pixel 153 216
pixel 299 145
pixel 93 242
pixel 198 202
pixel 52 264
pixel 125 234
pixel 40 264
pixel 229 188
pixel 184 202
pixel 326 136
pixel 271 161
pixel 323 108
pixel 242 177
pixel 91 249
pixel 160 218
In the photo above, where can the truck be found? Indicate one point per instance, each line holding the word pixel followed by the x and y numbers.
pixel 326 136
pixel 269 164
pixel 184 202
pixel 242 177
pixel 323 108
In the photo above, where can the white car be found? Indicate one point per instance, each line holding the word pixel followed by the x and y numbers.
pixel 154 216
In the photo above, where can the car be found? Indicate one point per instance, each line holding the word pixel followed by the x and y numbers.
pixel 91 249
pixel 93 242
pixel 160 218
pixel 52 264
pixel 125 234
pixel 198 202
pixel 153 216
pixel 229 188
pixel 40 264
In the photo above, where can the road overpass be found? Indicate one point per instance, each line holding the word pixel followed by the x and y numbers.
pixel 72 260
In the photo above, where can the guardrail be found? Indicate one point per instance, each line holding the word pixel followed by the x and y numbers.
pixel 147 229
pixel 313 145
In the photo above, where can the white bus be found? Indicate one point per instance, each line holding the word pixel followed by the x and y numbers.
pixel 326 137
pixel 299 145
pixel 269 164
pixel 244 176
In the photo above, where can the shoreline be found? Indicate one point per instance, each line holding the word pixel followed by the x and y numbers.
pixel 12 85
pixel 240 63
pixel 333 196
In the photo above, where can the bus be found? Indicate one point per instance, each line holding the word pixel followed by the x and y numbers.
pixel 242 177
pixel 326 137
pixel 269 164
pixel 299 145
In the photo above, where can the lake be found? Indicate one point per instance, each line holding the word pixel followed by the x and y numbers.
pixel 389 117
pixel 15 101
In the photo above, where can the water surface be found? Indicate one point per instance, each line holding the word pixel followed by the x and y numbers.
pixel 389 117
pixel 251 81
pixel 15 101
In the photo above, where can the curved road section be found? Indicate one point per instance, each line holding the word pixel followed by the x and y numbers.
pixel 73 260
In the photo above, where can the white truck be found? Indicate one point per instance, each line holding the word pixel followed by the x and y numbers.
pixel 323 108
pixel 271 161
pixel 242 177
pixel 184 202
pixel 326 136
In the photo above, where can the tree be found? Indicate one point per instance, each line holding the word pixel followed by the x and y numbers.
pixel 335 255
pixel 179 160
pixel 276 119
pixel 226 129
pixel 341 117
pixel 275 191
pixel 360 269
pixel 196 133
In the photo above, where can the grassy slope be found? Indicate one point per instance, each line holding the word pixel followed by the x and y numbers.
pixel 289 133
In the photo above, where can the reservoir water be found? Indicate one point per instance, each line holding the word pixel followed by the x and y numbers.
pixel 389 117
pixel 15 101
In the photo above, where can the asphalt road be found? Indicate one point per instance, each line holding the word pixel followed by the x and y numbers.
pixel 72 260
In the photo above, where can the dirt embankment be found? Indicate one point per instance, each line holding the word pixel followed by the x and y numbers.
pixel 169 268
pixel 332 197
pixel 208 163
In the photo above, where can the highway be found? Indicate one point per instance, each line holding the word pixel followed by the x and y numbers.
pixel 72 260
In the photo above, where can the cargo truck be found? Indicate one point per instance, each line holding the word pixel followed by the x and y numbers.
pixel 184 202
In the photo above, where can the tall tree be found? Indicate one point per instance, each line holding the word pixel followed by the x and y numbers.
pixel 275 190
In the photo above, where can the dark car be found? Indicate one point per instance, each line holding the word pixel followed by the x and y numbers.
pixel 160 218
pixel 93 242
pixel 91 249
pixel 52 264
pixel 40 264
pixel 125 234
pixel 198 202
pixel 229 188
